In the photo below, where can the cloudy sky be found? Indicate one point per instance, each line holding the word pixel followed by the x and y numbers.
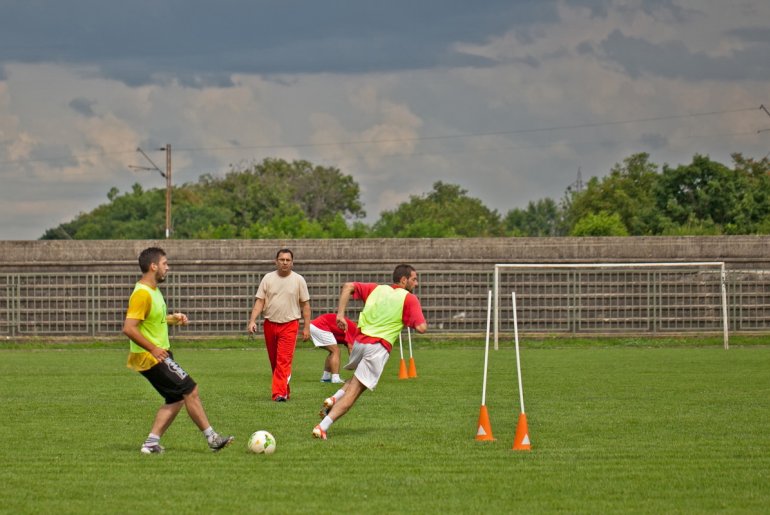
pixel 507 98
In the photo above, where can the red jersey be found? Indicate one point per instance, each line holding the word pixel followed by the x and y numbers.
pixel 328 322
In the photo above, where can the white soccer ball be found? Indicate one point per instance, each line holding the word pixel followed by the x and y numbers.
pixel 262 442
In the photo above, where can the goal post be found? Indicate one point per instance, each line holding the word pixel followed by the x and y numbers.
pixel 613 298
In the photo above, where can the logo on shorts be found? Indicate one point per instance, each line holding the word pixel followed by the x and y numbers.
pixel 175 368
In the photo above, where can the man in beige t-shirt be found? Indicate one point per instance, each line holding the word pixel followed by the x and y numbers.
pixel 283 298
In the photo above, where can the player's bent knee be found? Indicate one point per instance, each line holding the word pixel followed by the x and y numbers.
pixel 192 394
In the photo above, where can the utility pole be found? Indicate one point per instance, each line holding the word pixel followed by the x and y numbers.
pixel 168 190
pixel 166 175
pixel 762 107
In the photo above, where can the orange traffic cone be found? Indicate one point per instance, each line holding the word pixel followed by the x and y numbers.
pixel 521 440
pixel 412 368
pixel 402 370
pixel 484 431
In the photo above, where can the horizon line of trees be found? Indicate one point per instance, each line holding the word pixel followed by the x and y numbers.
pixel 280 199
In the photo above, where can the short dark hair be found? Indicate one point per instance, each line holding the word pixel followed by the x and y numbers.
pixel 150 256
pixel 402 270
pixel 285 251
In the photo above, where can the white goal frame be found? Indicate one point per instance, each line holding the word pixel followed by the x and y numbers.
pixel 720 265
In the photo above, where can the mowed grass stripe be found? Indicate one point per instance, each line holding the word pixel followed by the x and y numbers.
pixel 613 430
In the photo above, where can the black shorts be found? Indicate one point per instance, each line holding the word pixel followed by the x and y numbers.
pixel 171 381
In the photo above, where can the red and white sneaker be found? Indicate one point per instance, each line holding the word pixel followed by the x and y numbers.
pixel 327 406
pixel 319 433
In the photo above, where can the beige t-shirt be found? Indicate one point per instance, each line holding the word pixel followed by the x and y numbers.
pixel 282 296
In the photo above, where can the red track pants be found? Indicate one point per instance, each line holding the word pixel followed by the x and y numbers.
pixel 280 341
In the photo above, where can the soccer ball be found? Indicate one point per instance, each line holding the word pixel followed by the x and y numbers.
pixel 262 442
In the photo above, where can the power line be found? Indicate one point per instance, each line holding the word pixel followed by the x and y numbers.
pixel 405 140
pixel 189 170
pixel 68 157
pixel 474 134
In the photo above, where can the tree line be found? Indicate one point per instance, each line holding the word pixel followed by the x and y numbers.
pixel 280 199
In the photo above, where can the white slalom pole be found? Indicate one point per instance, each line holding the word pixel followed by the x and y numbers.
pixel 402 373
pixel 521 440
pixel 484 427
pixel 409 334
pixel 518 360
pixel 486 351
pixel 412 369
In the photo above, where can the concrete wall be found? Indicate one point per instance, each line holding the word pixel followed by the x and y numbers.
pixel 748 252
pixel 66 288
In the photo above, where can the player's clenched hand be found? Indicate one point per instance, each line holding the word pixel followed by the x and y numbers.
pixel 179 319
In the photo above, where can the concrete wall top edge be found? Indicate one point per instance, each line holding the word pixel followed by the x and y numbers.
pixel 499 250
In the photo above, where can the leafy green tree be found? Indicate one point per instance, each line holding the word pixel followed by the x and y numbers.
pixel 693 227
pixel 707 193
pixel 263 190
pixel 134 215
pixel 323 193
pixel 445 212
pixel 752 212
pixel 702 190
pixel 271 199
pixel 600 224
pixel 540 218
pixel 280 199
pixel 628 191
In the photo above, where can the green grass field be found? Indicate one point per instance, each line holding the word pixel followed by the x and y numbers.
pixel 632 430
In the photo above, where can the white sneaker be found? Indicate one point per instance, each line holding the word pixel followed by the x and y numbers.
pixel 153 448
pixel 338 380
pixel 217 443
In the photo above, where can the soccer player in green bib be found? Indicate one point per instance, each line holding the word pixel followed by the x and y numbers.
pixel 146 325
pixel 387 309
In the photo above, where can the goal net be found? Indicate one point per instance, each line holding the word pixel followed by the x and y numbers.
pixel 612 298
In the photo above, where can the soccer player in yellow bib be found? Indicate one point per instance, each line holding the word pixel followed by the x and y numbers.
pixel 387 309
pixel 146 325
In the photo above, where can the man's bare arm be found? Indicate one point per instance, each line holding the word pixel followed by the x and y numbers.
pixel 345 293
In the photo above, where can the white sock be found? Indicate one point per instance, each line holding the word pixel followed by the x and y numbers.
pixel 326 375
pixel 326 423
pixel 337 396
pixel 209 433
